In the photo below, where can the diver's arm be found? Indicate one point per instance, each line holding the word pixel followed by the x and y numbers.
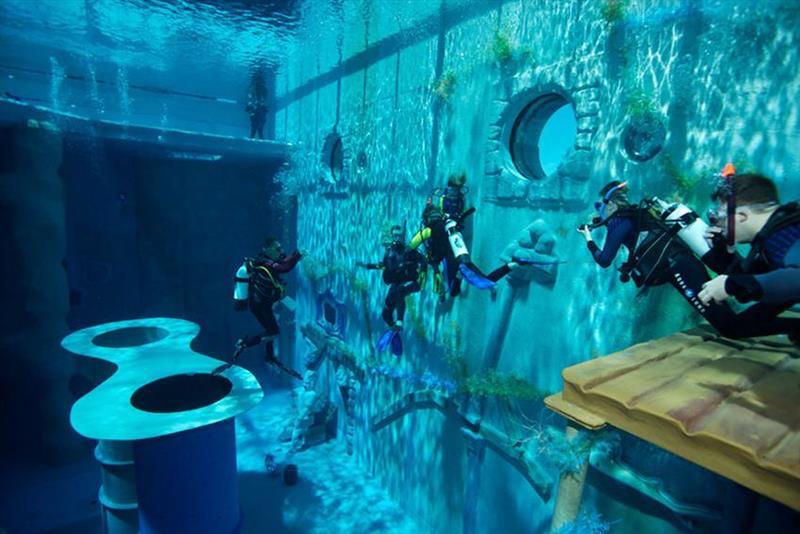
pixel 372 266
pixel 419 237
pixel 287 264
pixel 775 287
pixel 719 260
pixel 616 236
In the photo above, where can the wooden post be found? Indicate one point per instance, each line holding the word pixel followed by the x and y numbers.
pixel 570 489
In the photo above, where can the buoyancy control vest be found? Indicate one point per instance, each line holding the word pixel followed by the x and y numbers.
pixel 664 231
pixel 785 216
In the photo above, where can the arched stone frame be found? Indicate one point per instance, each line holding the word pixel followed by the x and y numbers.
pixel 505 184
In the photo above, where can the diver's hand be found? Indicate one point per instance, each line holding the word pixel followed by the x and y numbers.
pixel 714 290
pixel 713 234
pixel 587 234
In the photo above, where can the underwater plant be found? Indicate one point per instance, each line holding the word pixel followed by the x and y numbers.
pixel 586 523
pixel 613 10
pixel 444 85
pixel 501 386
pixel 500 47
pixel 639 104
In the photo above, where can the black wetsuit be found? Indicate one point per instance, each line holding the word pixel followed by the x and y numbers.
pixel 258 118
pixel 265 289
pixel 437 246
pixel 770 274
pixel 662 258
pixel 401 271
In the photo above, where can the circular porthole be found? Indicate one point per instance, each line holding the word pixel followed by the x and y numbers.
pixel 541 135
pixel 333 156
pixel 644 137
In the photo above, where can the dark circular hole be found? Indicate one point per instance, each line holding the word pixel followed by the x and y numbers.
pixel 180 393
pixel 644 137
pixel 132 336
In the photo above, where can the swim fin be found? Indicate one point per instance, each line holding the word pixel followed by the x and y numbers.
pixel 385 339
pixel 397 344
pixel 474 278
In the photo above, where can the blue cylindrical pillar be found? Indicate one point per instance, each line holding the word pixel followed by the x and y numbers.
pixel 186 482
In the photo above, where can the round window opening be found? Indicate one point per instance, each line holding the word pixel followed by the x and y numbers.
pixel 333 156
pixel 542 134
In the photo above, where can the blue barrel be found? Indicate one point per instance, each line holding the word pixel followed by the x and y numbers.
pixel 186 482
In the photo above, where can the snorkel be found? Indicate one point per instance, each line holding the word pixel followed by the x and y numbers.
pixel 727 173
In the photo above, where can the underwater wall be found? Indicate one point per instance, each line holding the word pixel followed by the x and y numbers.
pixel 385 108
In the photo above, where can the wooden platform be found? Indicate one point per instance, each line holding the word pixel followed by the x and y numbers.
pixel 732 407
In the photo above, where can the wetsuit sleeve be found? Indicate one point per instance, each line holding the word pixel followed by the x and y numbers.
pixel 719 260
pixel 616 236
pixel 419 237
pixel 287 264
pixel 775 287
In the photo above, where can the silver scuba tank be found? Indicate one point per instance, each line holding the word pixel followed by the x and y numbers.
pixel 240 288
pixel 693 228
pixel 457 244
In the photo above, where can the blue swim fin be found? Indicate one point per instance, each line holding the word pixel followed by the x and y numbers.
pixel 385 339
pixel 397 344
pixel 474 278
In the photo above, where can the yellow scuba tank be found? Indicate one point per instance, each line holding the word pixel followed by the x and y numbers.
pixel 241 288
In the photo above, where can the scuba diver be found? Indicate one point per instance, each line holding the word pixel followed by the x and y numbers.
pixel 258 287
pixel 403 269
pixel 444 245
pixel 664 242
pixel 452 199
pixel 750 212
pixel 256 106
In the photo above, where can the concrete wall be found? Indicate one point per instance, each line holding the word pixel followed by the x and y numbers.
pixel 721 75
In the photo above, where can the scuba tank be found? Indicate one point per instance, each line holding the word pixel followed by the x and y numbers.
pixel 659 224
pixel 456 240
pixel 693 228
pixel 241 288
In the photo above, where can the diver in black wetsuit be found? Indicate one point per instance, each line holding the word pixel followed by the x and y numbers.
pixel 444 245
pixel 258 288
pixel 663 256
pixel 256 107
pixel 402 269
pixel 750 212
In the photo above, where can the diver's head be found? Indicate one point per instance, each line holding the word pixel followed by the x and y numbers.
pixel 431 214
pixel 272 249
pixel 457 179
pixel 395 237
pixel 755 197
pixel 613 196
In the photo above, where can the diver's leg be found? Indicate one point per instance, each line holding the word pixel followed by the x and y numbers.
pixel 688 276
pixel 500 272
pixel 453 281
pixel 393 299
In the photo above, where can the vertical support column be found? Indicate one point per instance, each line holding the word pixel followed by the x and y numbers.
pixel 117 496
pixel 476 450
pixel 570 489
pixel 186 482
